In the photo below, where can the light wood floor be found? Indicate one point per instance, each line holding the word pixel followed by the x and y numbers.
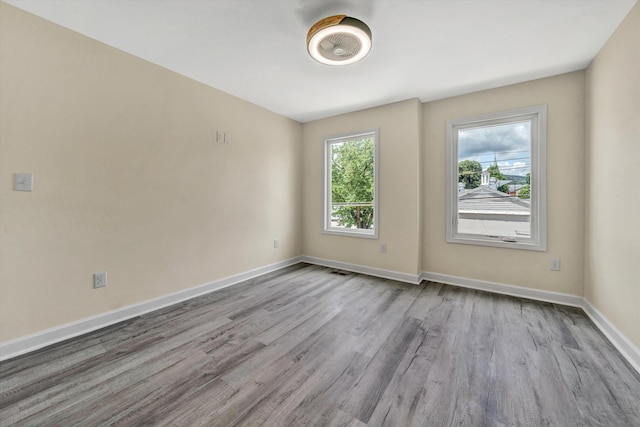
pixel 311 346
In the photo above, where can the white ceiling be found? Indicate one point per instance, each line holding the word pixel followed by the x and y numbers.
pixel 430 49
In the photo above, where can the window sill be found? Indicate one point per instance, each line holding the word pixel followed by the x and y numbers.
pixel 351 233
pixel 497 242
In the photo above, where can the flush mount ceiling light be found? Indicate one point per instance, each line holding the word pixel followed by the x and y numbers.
pixel 339 40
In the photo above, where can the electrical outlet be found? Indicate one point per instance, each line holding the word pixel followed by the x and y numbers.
pixel 383 248
pixel 99 280
pixel 276 244
pixel 554 264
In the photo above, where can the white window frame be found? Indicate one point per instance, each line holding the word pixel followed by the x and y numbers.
pixel 327 227
pixel 537 115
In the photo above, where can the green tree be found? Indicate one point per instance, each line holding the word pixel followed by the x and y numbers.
pixel 469 172
pixel 494 171
pixel 525 192
pixel 352 183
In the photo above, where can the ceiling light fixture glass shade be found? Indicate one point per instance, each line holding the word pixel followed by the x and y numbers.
pixel 339 40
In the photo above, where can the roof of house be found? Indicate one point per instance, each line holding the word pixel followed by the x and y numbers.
pixel 488 200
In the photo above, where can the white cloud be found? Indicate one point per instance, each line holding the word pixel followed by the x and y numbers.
pixel 515 168
pixel 509 144
pixel 505 140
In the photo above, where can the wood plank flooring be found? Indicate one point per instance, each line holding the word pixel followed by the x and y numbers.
pixel 311 346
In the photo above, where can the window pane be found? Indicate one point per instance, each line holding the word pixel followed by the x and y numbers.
pixel 352 184
pixel 494 176
pixel 496 179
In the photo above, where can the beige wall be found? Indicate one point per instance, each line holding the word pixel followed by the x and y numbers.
pixel 405 137
pixel 128 179
pixel 564 96
pixel 399 221
pixel 612 261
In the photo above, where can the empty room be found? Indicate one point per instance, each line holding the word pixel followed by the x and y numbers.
pixel 319 213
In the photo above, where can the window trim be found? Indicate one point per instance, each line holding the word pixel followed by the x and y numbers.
pixel 326 202
pixel 538 116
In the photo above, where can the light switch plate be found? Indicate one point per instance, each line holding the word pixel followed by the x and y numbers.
pixel 23 182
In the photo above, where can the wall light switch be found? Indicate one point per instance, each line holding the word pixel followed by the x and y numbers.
pixel 23 182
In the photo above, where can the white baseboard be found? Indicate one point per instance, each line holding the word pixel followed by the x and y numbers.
pixel 22 345
pixel 617 338
pixel 26 344
pixel 371 271
pixel 501 288
pixel 628 350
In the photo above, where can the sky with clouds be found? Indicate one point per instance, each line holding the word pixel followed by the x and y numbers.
pixel 509 143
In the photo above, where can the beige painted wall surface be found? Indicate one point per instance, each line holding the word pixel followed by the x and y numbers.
pixel 612 261
pixel 398 200
pixel 564 96
pixel 128 179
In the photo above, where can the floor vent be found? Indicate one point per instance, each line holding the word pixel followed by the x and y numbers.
pixel 339 273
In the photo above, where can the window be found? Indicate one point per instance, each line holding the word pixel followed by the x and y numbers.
pixel 351 185
pixel 496 179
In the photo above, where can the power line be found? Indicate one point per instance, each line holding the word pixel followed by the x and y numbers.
pixel 508 168
pixel 508 159
pixel 486 153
